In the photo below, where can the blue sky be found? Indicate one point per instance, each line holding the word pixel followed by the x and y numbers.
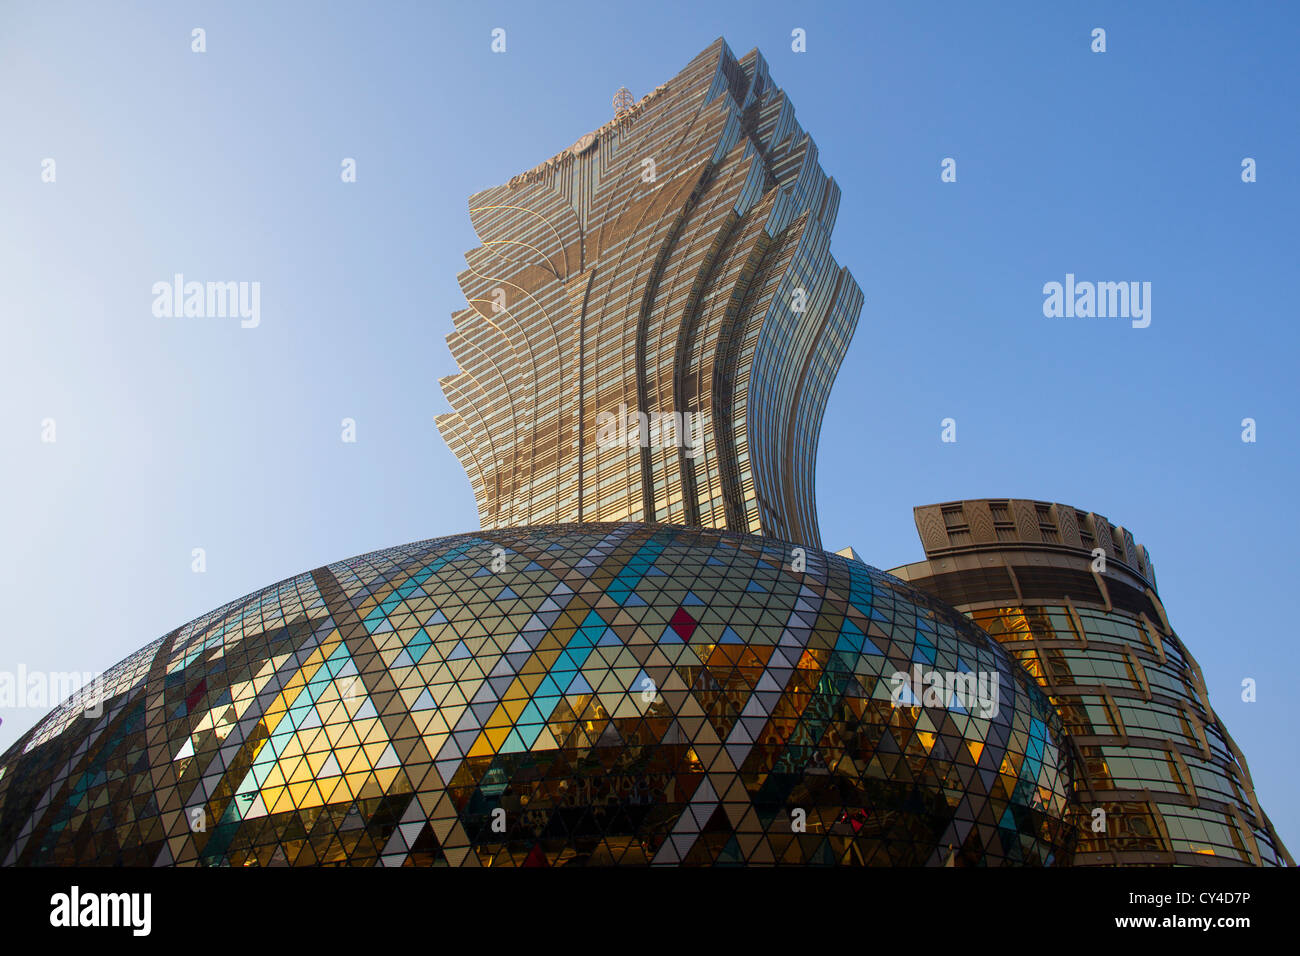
pixel 174 434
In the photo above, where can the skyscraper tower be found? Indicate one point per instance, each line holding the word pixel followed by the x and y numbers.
pixel 654 318
pixel 643 657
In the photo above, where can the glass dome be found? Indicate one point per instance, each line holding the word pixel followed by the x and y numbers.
pixel 557 695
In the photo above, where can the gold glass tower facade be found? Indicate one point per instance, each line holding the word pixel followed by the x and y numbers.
pixel 654 318
pixel 1073 598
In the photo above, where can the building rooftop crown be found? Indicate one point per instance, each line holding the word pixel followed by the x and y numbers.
pixel 999 523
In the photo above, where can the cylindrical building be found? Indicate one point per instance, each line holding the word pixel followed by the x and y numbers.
pixel 1074 599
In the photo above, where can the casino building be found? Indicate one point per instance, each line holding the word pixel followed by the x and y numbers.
pixel 675 264
pixel 1073 599
pixel 644 656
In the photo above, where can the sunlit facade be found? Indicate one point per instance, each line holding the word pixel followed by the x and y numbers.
pixel 644 657
pixel 674 263
pixel 553 696
pixel 1074 600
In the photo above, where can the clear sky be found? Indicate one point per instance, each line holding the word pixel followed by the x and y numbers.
pixel 173 433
